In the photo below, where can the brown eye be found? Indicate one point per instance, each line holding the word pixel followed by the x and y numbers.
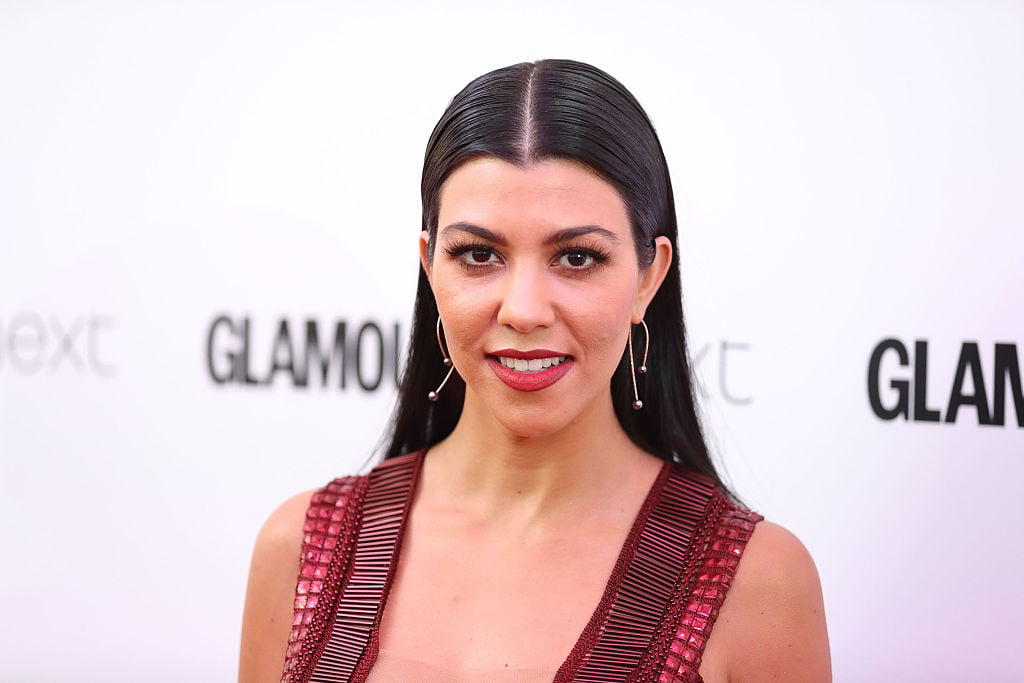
pixel 474 256
pixel 480 255
pixel 577 259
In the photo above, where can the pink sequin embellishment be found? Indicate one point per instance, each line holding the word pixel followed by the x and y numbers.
pixel 327 521
pixel 728 540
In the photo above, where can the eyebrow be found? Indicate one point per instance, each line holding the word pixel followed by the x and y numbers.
pixel 563 235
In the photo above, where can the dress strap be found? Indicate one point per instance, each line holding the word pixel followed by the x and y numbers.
pixel 662 559
pixel 330 530
pixel 354 628
pixel 678 647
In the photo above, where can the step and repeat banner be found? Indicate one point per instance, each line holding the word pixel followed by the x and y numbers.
pixel 209 216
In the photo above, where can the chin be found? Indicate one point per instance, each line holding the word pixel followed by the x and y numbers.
pixel 530 415
pixel 527 430
pixel 532 422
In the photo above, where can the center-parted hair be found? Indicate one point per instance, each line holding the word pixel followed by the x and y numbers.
pixel 561 109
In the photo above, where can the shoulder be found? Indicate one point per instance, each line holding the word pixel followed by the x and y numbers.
pixel 772 622
pixel 273 573
pixel 284 528
pixel 266 621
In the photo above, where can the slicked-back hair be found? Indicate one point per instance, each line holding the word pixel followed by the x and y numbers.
pixel 561 109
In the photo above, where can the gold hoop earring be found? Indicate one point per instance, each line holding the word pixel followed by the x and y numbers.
pixel 637 403
pixel 445 359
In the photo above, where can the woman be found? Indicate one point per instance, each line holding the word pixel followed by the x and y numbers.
pixel 547 509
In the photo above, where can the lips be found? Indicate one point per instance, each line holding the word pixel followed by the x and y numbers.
pixel 532 365
pixel 529 370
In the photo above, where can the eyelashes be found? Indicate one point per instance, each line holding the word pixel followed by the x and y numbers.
pixel 581 258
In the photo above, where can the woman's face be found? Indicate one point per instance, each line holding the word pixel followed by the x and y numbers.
pixel 536 279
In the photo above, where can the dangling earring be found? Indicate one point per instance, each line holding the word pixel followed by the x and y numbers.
pixel 447 362
pixel 637 403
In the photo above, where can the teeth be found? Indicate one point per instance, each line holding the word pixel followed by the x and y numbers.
pixel 531 366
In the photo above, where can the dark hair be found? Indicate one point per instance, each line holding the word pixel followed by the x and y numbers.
pixel 563 110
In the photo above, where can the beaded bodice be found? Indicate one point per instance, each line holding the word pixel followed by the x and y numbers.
pixel 652 623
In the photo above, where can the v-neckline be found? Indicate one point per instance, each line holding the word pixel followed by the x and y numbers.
pixel 577 656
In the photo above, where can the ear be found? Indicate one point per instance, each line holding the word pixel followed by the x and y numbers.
pixel 425 254
pixel 652 277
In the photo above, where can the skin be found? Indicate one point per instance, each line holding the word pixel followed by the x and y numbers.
pixel 521 512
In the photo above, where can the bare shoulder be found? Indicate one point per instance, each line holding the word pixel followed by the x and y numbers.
pixel 266 623
pixel 776 565
pixel 283 529
pixel 772 624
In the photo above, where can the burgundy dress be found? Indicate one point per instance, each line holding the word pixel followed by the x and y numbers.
pixel 651 624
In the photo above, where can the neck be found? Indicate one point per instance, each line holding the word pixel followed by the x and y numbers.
pixel 495 472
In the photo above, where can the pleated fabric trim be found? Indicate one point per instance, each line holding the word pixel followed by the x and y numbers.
pixel 330 532
pixel 353 646
pixel 351 533
pixel 713 557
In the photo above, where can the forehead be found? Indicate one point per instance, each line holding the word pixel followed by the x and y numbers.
pixel 548 194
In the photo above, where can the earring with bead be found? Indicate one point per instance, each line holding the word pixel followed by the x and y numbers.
pixel 634 370
pixel 445 359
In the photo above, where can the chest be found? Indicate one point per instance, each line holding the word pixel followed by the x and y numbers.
pixel 490 601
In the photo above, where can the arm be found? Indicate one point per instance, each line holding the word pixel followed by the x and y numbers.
pixel 266 622
pixel 772 624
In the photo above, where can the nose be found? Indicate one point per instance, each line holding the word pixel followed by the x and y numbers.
pixel 526 300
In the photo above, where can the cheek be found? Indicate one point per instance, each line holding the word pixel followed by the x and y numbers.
pixel 606 338
pixel 602 325
pixel 465 313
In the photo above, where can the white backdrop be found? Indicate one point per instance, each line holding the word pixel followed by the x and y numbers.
pixel 845 173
